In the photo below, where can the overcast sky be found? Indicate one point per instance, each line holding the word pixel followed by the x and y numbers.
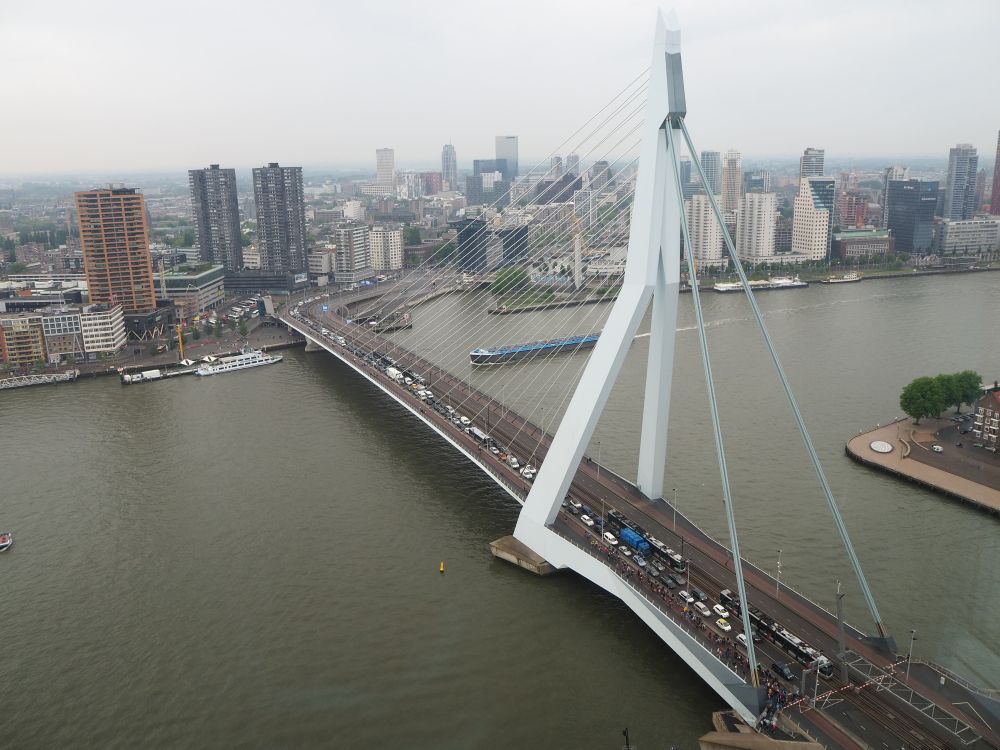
pixel 132 86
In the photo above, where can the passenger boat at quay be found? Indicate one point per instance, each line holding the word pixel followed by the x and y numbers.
pixel 499 355
pixel 760 285
pixel 245 359
pixel 847 278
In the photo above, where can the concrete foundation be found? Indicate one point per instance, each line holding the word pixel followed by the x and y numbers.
pixel 509 549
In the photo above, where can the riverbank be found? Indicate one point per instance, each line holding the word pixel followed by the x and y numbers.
pixel 906 451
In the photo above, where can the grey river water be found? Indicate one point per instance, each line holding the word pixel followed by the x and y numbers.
pixel 252 560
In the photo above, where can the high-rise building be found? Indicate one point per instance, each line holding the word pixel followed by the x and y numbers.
pixel 555 167
pixel 431 182
pixel 583 207
pixel 889 174
pixel 449 166
pixel 506 149
pixel 115 241
pixel 216 212
pixel 995 196
pixel 353 261
pixel 281 218
pixel 711 164
pixel 573 165
pixel 812 217
pixel 385 249
pixel 811 163
pixel 732 180
pixel 758 181
pixel 704 230
pixel 385 167
pixel 960 189
pixel 910 214
pixel 755 226
pixel 600 176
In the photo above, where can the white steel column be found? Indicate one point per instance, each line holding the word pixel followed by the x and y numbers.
pixel 653 237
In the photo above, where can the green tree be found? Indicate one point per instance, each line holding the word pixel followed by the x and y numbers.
pixel 411 235
pixel 922 398
pixel 242 327
pixel 510 281
pixel 218 328
pixel 17 268
pixel 969 387
pixel 196 334
pixel 950 391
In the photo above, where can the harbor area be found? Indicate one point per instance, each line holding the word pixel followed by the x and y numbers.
pixel 936 454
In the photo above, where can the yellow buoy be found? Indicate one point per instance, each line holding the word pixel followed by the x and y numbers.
pixel 441 568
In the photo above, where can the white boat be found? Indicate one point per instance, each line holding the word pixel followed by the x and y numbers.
pixel 6 539
pixel 847 278
pixel 758 285
pixel 245 359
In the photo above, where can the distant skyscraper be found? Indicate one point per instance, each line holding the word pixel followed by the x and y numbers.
pixel 910 214
pixel 449 166
pixel 711 163
pixel 555 167
pixel 688 187
pixel 960 189
pixel 600 175
pixel 811 163
pixel 813 217
pixel 114 237
pixel 732 180
pixel 506 148
pixel 281 218
pixel 385 167
pixel 995 198
pixel 758 181
pixel 888 175
pixel 756 226
pixel 216 213
pixel 573 165
pixel 704 230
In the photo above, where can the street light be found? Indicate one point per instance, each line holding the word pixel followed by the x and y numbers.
pixel 777 585
pixel 909 655
pixel 675 510
pixel 598 458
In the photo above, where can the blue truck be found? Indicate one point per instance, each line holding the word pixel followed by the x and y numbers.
pixel 634 540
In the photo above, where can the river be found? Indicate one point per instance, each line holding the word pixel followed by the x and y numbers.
pixel 252 560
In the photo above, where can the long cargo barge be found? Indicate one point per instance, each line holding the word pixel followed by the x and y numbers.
pixel 501 354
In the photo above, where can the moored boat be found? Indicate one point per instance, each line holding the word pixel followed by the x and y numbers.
pixel 847 278
pixel 6 539
pixel 245 359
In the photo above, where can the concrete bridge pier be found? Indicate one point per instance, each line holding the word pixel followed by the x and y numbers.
pixel 312 346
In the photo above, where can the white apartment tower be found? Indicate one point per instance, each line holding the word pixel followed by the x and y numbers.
pixel 732 180
pixel 810 225
pixel 385 167
pixel 385 248
pixel 705 232
pixel 755 226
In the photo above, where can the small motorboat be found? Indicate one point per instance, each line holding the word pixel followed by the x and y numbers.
pixel 6 539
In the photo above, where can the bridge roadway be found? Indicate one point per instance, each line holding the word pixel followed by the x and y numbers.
pixel 849 717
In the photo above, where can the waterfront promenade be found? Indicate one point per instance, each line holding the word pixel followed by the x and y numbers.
pixel 954 471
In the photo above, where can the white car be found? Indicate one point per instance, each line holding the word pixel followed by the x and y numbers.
pixel 625 551
pixel 742 640
pixel 937 449
pixel 586 520
pixel 720 611
pixel 575 503
pixel 685 597
pixel 724 625
pixel 610 539
pixel 702 610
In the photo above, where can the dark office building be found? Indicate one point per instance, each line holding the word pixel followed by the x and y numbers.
pixel 515 244
pixel 473 242
pixel 910 214
pixel 559 190
pixel 481 166
pixel 281 218
pixel 216 214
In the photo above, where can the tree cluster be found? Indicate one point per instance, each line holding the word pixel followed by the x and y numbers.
pixel 929 396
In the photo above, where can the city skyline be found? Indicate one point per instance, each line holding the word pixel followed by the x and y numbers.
pixel 791 116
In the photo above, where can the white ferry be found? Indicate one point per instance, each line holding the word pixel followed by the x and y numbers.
pixel 847 278
pixel 246 358
pixel 775 282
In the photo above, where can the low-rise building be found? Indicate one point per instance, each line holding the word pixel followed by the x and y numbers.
pixel 82 331
pixel 22 341
pixel 103 329
pixel 192 290
pixel 861 243
pixel 322 262
pixel 968 237
pixel 986 420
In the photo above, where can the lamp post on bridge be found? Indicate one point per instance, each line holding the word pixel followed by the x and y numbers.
pixel 909 654
pixel 777 584
pixel 675 512
pixel 598 458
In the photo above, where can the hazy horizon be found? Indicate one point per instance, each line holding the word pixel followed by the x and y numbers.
pixel 130 89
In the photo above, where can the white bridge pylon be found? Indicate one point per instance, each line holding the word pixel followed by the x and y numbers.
pixel 652 275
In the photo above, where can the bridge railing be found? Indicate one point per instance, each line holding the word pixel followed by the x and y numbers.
pixel 697 634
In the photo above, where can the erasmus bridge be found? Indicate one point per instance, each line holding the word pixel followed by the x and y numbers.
pixel 729 620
